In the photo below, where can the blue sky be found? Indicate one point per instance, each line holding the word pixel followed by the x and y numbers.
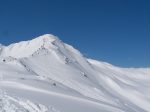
pixel 116 31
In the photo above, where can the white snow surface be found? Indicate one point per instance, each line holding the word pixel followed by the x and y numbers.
pixel 47 75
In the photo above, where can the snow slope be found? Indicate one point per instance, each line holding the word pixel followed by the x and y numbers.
pixel 47 75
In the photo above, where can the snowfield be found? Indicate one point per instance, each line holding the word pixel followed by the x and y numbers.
pixel 47 75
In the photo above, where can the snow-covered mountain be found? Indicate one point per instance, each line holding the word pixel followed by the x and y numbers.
pixel 47 75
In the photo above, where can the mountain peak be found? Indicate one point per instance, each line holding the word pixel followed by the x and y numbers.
pixel 27 48
pixel 47 37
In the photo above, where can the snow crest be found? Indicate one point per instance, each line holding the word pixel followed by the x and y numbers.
pixel 10 104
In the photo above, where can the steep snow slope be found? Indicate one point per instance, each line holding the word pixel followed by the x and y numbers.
pixel 47 75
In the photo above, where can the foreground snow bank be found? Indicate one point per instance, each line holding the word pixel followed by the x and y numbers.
pixel 14 104
pixel 10 104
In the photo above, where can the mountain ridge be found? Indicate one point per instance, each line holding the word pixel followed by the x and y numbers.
pixel 47 75
pixel 29 47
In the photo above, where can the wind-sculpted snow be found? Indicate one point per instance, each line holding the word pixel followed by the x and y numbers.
pixel 13 104
pixel 47 75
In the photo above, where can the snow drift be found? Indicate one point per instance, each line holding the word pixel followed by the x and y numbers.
pixel 47 75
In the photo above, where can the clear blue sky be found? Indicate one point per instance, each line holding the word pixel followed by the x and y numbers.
pixel 116 31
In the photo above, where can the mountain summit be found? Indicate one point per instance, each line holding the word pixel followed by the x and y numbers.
pixel 47 75
pixel 27 48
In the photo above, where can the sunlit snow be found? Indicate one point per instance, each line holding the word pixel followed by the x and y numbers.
pixel 47 75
